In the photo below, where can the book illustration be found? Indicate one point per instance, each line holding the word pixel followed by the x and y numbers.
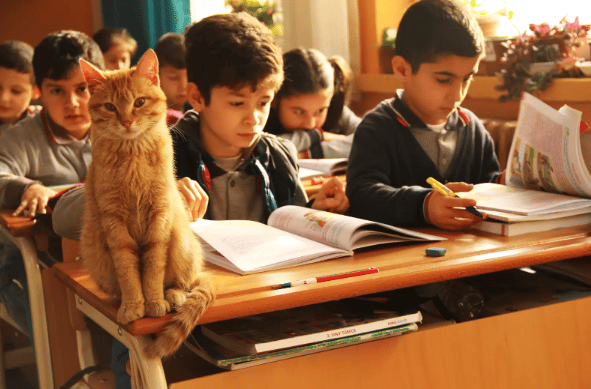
pixel 318 218
pixel 303 325
pixel 546 153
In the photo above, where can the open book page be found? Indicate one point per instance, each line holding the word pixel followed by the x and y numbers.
pixel 532 203
pixel 546 150
pixel 254 246
pixel 327 166
pixel 341 231
pixel 307 173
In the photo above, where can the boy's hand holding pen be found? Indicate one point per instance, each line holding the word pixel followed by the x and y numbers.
pixel 445 209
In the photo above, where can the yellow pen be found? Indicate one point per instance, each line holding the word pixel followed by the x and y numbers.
pixel 444 190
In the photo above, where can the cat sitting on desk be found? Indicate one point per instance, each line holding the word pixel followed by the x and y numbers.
pixel 136 241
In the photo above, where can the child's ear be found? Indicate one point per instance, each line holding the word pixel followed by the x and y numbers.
pixel 36 93
pixel 195 98
pixel 92 75
pixel 401 67
pixel 147 67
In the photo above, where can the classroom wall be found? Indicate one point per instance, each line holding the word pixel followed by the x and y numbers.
pixel 32 20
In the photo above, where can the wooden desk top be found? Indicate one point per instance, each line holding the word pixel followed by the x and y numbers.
pixel 17 225
pixel 468 253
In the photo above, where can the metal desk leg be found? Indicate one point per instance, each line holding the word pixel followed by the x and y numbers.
pixel 146 373
pixel 37 305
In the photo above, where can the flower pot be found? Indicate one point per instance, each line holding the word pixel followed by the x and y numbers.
pixel 489 24
pixel 542 67
pixel 386 55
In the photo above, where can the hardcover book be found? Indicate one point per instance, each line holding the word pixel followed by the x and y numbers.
pixel 225 358
pixel 288 328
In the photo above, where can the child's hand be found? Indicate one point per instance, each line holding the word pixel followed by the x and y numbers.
pixel 449 212
pixel 34 199
pixel 195 197
pixel 331 197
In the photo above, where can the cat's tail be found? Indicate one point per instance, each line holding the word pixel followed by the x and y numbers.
pixel 170 338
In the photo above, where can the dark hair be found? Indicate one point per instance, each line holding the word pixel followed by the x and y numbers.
pixel 170 50
pixel 431 28
pixel 231 50
pixel 305 71
pixel 343 75
pixel 309 71
pixel 17 55
pixel 109 36
pixel 59 52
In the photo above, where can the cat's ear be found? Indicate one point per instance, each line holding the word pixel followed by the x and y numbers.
pixel 92 75
pixel 147 67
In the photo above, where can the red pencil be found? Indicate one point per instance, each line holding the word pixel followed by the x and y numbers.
pixel 314 280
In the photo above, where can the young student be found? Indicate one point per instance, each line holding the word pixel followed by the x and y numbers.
pixel 422 131
pixel 17 83
pixel 117 45
pixel 311 109
pixel 170 50
pixel 229 168
pixel 51 147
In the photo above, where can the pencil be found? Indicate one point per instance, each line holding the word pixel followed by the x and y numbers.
pixel 331 277
pixel 444 190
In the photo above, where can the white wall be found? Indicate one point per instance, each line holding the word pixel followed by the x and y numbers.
pixel 322 25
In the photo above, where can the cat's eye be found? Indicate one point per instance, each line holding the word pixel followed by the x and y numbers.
pixel 110 107
pixel 139 102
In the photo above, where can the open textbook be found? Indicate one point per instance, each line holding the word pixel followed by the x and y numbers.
pixel 322 167
pixel 548 180
pixel 294 235
pixel 549 152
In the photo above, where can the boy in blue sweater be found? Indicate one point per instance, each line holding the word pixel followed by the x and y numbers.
pixel 422 132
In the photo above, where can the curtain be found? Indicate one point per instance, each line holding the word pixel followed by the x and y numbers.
pixel 147 20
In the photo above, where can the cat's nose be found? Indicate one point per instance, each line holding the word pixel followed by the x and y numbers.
pixel 126 124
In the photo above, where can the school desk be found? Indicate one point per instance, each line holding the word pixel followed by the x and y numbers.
pixel 20 231
pixel 545 347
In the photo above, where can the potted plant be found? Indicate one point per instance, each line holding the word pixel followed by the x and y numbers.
pixel 265 11
pixel 387 49
pixel 533 60
pixel 489 19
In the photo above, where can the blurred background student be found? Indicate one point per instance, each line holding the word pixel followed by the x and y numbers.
pixel 311 109
pixel 170 50
pixel 117 45
pixel 17 83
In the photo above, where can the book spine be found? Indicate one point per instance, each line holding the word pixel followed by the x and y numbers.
pixel 337 333
pixel 322 345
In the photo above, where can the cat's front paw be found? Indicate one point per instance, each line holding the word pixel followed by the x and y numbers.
pixel 157 308
pixel 130 312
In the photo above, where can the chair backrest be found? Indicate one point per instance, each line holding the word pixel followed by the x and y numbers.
pixel 502 132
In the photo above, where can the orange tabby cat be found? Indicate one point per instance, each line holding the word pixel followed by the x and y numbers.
pixel 136 241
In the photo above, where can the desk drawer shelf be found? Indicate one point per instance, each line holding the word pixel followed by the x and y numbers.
pixel 545 347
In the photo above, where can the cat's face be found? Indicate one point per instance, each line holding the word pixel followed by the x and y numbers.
pixel 125 104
